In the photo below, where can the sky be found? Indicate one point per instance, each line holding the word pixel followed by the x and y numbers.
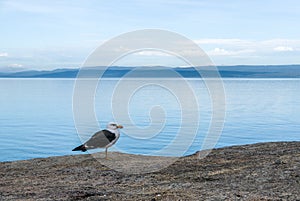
pixel 43 34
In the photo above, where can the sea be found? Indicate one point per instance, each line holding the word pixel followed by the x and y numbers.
pixel 41 117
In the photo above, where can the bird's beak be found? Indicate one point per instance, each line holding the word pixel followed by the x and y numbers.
pixel 119 126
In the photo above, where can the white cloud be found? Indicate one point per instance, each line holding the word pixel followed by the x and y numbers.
pixel 219 52
pixel 223 41
pixel 15 65
pixel 259 46
pixel 281 41
pixel 250 51
pixel 239 51
pixel 223 52
pixel 151 53
pixel 283 49
pixel 3 54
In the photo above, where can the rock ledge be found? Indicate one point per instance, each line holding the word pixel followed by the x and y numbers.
pixel 264 171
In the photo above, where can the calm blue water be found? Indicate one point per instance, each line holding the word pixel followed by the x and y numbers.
pixel 36 115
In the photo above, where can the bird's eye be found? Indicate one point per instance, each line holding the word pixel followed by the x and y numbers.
pixel 114 124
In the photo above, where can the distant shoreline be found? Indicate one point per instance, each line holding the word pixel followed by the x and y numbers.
pixel 240 71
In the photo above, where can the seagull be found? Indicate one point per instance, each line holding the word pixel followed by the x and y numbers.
pixel 102 139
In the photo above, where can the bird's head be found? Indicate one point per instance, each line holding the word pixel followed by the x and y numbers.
pixel 113 126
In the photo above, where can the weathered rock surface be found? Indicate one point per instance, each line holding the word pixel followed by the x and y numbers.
pixel 265 171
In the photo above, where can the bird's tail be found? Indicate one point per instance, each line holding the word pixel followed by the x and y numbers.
pixel 80 148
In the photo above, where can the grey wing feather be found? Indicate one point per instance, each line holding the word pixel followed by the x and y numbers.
pixel 99 139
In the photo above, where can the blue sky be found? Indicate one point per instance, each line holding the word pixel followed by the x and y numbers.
pixel 42 34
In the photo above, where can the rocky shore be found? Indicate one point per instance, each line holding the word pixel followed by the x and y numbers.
pixel 264 171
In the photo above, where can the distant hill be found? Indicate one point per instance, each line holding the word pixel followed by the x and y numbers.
pixel 240 71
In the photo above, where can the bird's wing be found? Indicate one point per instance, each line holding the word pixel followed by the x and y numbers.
pixel 100 139
pixel 109 135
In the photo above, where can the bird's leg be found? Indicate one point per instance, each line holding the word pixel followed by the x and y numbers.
pixel 105 153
